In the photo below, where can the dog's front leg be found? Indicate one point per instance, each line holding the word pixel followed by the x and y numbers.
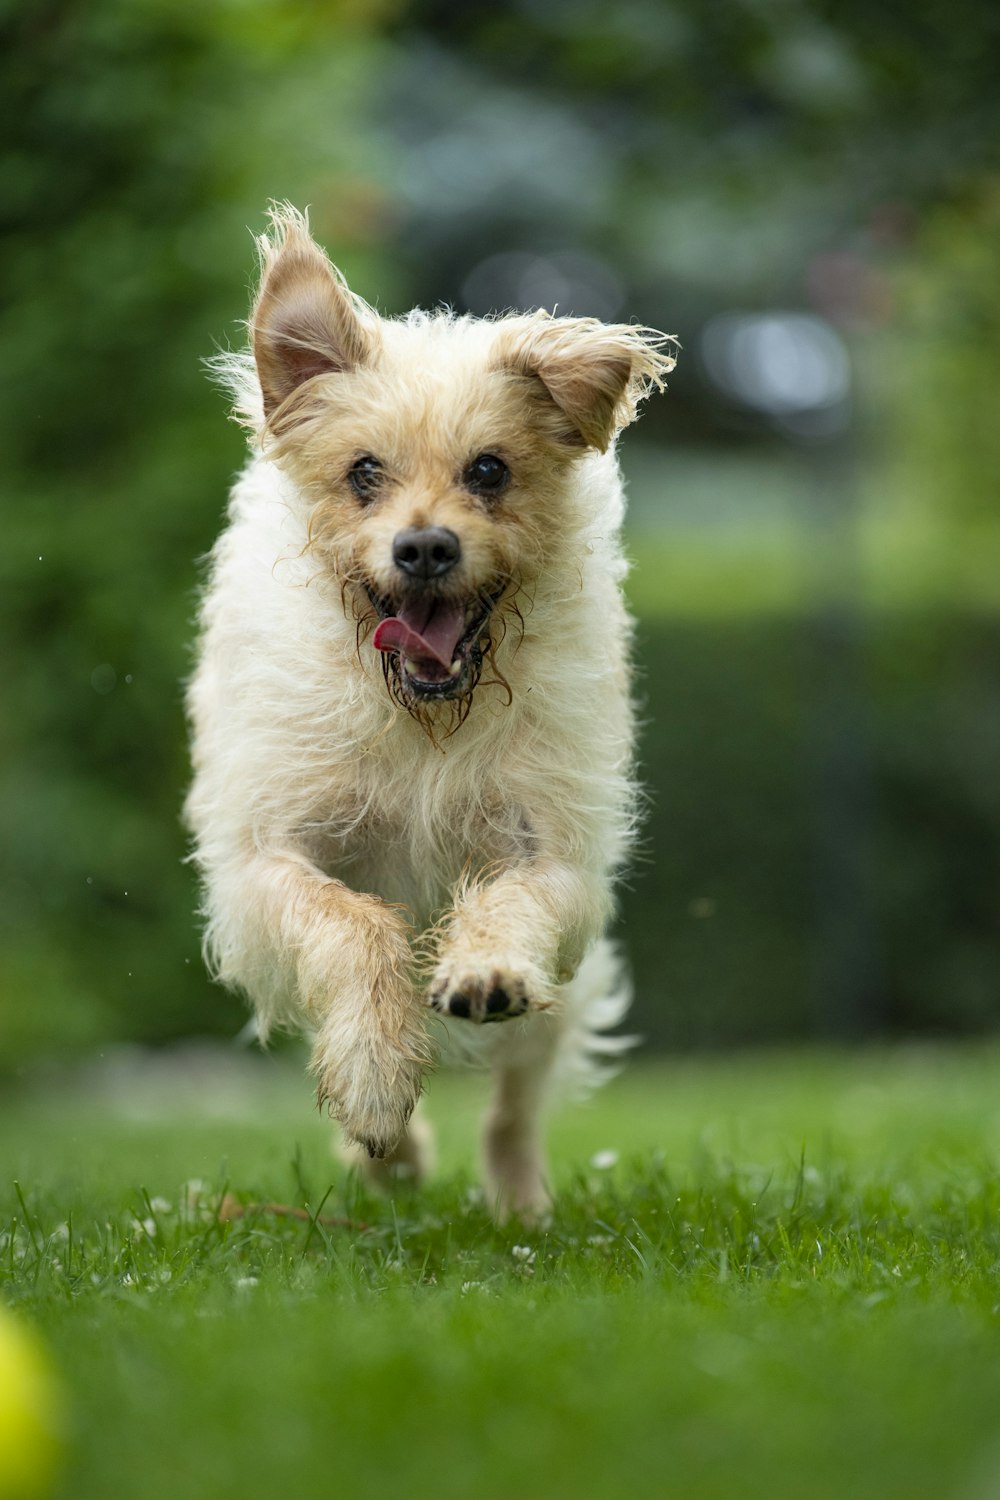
pixel 511 940
pixel 345 957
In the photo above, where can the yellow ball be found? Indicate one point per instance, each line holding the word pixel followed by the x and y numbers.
pixel 29 1414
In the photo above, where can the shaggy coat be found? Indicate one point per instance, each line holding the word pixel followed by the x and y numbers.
pixel 411 718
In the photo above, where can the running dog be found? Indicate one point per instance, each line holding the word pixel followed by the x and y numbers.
pixel 411 719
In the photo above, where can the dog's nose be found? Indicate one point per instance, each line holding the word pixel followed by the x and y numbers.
pixel 426 552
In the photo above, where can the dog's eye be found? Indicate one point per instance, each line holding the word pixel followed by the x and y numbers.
pixel 365 476
pixel 486 475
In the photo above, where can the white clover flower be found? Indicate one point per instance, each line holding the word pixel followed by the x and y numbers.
pixel 603 1161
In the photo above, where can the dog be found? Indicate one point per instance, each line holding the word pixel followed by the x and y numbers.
pixel 412 728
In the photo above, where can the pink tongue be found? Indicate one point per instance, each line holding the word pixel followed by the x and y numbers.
pixel 428 635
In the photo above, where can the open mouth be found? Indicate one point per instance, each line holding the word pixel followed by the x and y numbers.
pixel 435 645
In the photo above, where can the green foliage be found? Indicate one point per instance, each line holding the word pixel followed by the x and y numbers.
pixel 138 140
pixel 732 926
pixel 943 452
pixel 786 1284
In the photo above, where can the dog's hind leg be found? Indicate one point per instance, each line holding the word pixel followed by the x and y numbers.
pixel 565 1052
pixel 514 1158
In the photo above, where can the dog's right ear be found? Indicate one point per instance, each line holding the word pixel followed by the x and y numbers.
pixel 306 321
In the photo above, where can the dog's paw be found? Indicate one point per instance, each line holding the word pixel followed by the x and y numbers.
pixel 370 1079
pixel 373 1111
pixel 498 995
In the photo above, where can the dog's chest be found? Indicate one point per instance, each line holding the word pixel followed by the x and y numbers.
pixel 412 826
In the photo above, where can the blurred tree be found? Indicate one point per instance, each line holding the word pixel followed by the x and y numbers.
pixel 137 140
pixel 715 144
pixel 943 448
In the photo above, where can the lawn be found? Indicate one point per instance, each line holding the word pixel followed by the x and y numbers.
pixel 767 1275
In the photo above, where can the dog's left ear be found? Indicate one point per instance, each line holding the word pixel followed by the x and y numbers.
pixel 595 373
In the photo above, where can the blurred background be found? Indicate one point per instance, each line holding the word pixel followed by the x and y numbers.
pixel 807 194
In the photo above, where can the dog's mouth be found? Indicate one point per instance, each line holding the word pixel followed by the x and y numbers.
pixel 434 645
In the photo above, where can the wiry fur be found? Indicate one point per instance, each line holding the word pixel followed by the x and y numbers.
pixel 366 850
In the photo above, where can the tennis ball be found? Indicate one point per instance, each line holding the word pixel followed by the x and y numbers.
pixel 30 1411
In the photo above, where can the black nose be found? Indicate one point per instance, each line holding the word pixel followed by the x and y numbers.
pixel 426 552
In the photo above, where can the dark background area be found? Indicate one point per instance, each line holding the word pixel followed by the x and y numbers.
pixel 806 194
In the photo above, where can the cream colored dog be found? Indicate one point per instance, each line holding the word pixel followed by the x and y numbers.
pixel 412 728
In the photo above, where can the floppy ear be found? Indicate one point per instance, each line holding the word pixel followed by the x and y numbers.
pixel 306 321
pixel 595 373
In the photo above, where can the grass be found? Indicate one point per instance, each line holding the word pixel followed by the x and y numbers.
pixel 774 1274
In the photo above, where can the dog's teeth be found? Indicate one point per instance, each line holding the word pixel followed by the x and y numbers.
pixel 455 667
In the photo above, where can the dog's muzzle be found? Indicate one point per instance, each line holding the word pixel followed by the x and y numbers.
pixel 435 644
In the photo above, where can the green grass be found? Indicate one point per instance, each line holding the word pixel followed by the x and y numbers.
pixel 787 1284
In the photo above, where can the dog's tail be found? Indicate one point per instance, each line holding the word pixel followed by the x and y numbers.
pixel 596 1000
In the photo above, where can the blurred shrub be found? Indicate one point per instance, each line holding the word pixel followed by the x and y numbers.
pixel 727 921
pixel 136 137
pixel 934 495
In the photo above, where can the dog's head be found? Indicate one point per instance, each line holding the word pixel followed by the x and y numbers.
pixel 436 453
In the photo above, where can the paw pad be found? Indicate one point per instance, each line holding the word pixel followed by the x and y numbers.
pixel 497 999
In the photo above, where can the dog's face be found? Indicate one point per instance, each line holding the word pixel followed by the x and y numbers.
pixel 436 453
